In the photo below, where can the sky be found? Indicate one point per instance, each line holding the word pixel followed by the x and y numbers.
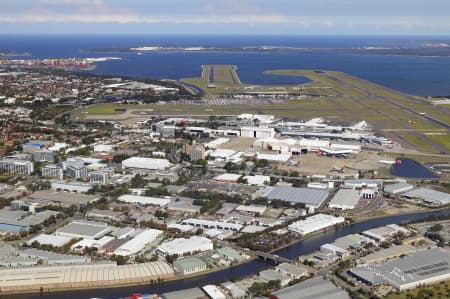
pixel 293 17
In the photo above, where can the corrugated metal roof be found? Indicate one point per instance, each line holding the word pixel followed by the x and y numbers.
pixel 307 196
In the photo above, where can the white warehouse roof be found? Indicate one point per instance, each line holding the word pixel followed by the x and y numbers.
pixel 55 241
pixel 345 199
pixel 138 242
pixel 429 196
pixel 84 229
pixel 144 200
pixel 257 180
pixel 213 292
pixel 314 223
pixel 181 246
pixel 146 163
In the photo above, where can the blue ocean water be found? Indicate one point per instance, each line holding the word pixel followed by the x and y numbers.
pixel 411 74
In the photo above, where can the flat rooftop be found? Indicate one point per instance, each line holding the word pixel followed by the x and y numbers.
pixel 307 196
pixel 63 198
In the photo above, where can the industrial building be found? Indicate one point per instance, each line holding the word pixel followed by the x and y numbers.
pixel 146 163
pixel 291 271
pixel 81 245
pixel 312 198
pixel 52 258
pixel 271 275
pixel 384 233
pixel 317 288
pixel 428 196
pixel 421 268
pixel 67 199
pixel 275 158
pixel 193 293
pixel 257 180
pixel 213 292
pixel 84 229
pixel 398 188
pixel 138 242
pixel 108 215
pixel 45 239
pixel 344 199
pixel 314 223
pixel 257 132
pixel 363 183
pixel 144 200
pixel 183 246
pixel 36 279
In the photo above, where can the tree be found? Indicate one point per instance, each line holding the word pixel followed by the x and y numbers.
pixel 436 228
pixel 262 163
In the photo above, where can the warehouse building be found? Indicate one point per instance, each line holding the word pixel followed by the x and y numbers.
pixel 317 288
pixel 36 279
pixel 383 233
pixel 183 246
pixel 52 258
pixel 146 163
pixel 421 268
pixel 84 229
pixel 81 245
pixel 257 132
pixel 344 199
pixel 314 223
pixel 398 188
pixel 193 293
pixel 363 183
pixel 138 242
pixel 271 275
pixel 257 180
pixel 67 199
pixel 312 198
pixel 45 239
pixel 291 271
pixel 428 196
pixel 213 292
pixel 144 200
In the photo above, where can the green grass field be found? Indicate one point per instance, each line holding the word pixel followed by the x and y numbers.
pixel 435 291
pixel 330 94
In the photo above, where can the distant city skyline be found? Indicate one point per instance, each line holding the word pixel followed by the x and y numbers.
pixel 340 17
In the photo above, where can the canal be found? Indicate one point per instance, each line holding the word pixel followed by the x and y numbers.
pixel 250 268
